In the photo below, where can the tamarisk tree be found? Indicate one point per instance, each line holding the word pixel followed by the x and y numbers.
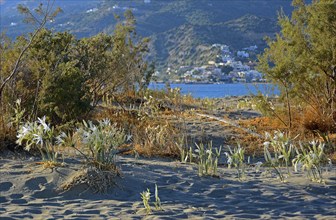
pixel 301 59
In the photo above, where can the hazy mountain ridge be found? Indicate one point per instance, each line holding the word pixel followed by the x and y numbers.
pixel 178 28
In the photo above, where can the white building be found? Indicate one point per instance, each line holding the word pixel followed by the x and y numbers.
pixel 92 10
pixel 251 48
pixel 243 54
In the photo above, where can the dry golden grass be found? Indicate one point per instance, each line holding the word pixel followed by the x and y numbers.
pixel 314 120
pixel 299 127
pixel 151 135
pixel 157 135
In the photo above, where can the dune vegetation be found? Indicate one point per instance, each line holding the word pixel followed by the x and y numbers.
pixel 65 99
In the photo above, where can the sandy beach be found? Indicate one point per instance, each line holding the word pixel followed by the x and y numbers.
pixel 29 191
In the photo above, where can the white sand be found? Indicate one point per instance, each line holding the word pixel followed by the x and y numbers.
pixel 28 191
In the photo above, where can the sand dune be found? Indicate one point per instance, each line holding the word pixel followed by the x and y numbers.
pixel 29 191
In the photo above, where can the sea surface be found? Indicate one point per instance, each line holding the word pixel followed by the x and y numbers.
pixel 220 90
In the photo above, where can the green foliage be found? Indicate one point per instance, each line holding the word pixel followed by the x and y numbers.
pixel 226 69
pixel 157 202
pixel 63 78
pixel 282 146
pixel 207 159
pixel 283 150
pixel 301 59
pixel 145 196
pixel 311 158
pixel 17 118
pixel 236 158
pixel 39 135
pixel 274 162
pixel 101 142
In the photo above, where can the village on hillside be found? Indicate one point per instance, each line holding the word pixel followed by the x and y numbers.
pixel 229 67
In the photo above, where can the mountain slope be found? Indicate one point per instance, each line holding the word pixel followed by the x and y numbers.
pixel 182 31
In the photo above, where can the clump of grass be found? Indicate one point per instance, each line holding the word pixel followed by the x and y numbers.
pixel 208 104
pixel 236 158
pixel 156 137
pixel 207 159
pixel 311 158
pixel 185 153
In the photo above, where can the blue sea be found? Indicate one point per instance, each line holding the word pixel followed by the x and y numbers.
pixel 220 90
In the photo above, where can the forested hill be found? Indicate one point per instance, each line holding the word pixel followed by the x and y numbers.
pixel 181 30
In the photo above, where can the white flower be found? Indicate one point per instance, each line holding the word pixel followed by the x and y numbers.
pixel 106 122
pixel 60 138
pixel 38 139
pixel 267 143
pixel 24 131
pixel 128 137
pixel 267 135
pixel 258 164
pixel 18 101
pixel 44 124
pixel 313 143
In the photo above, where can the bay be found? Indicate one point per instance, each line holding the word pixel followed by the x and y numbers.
pixel 220 90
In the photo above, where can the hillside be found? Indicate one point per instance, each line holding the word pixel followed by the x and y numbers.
pixel 181 30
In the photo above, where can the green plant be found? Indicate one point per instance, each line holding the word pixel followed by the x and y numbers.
pixel 101 142
pixel 19 112
pixel 282 147
pixel 245 104
pixel 185 154
pixel 311 158
pixel 207 159
pixel 145 196
pixel 307 79
pixel 157 202
pixel 39 135
pixel 273 161
pixel 236 158
pixel 208 104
